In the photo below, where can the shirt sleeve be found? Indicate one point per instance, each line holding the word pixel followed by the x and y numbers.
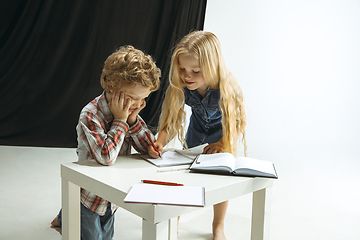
pixel 103 146
pixel 137 133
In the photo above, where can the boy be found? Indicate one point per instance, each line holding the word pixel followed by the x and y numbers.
pixel 109 125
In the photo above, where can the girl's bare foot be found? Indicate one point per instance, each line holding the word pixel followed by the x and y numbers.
pixel 54 222
pixel 218 222
pixel 218 234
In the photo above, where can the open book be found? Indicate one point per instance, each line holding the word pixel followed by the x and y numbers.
pixel 168 195
pixel 226 163
pixel 176 157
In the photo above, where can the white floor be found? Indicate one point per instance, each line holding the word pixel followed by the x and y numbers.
pixel 306 204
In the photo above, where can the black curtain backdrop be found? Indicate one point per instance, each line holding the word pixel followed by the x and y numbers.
pixel 52 53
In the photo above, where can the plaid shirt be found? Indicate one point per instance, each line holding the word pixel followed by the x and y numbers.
pixel 103 138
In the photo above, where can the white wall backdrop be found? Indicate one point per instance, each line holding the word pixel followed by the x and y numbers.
pixel 298 63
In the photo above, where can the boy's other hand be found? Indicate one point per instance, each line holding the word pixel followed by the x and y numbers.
pixel 152 152
pixel 132 116
pixel 119 107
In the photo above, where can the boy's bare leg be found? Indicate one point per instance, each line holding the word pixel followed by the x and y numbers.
pixel 54 222
pixel 219 220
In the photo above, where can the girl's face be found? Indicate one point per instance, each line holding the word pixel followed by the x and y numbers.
pixel 191 75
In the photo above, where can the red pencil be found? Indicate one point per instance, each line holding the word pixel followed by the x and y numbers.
pixel 152 143
pixel 162 183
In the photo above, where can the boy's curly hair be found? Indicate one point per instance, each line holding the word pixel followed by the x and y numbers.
pixel 127 66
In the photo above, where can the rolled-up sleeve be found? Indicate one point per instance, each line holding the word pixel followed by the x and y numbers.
pixel 137 133
pixel 103 146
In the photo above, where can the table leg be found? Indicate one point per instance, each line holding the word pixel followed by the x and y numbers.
pixel 173 228
pixel 70 198
pixel 160 231
pixel 261 214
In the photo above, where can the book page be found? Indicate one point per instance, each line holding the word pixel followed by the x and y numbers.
pixel 254 164
pixel 170 158
pixel 214 161
pixel 192 152
pixel 176 157
pixel 195 150
pixel 168 195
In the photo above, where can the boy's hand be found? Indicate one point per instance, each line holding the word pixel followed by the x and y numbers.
pixel 117 107
pixel 152 152
pixel 132 118
pixel 217 147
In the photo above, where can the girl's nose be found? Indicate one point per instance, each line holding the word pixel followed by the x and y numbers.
pixel 187 75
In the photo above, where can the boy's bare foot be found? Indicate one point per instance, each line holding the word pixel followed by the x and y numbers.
pixel 54 222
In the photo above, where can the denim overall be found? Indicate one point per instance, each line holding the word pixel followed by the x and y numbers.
pixel 205 121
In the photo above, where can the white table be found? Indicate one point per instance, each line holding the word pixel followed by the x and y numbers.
pixel 159 221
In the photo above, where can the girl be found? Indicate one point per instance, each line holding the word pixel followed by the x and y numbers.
pixel 199 78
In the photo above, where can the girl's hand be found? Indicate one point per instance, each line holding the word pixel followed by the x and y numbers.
pixel 152 152
pixel 119 107
pixel 217 147
pixel 133 115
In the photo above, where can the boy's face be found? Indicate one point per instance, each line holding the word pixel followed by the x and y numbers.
pixel 136 93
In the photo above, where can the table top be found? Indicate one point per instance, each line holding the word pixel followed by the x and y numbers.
pixel 114 182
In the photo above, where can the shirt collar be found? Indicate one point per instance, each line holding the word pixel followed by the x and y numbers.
pixel 197 95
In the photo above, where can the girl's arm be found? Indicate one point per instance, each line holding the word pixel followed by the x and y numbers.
pixel 159 144
pixel 217 147
pixel 162 138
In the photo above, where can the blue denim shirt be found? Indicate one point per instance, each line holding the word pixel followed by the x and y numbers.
pixel 205 121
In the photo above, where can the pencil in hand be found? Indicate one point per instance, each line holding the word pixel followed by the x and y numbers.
pixel 152 143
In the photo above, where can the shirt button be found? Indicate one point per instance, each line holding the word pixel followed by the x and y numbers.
pixel 192 106
pixel 216 109
pixel 201 140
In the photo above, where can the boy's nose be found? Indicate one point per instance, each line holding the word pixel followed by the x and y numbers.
pixel 136 104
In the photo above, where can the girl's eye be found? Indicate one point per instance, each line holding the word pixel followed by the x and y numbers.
pixel 196 71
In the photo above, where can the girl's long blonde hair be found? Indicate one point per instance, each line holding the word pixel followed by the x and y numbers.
pixel 205 47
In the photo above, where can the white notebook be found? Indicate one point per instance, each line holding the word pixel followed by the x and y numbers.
pixel 176 157
pixel 168 195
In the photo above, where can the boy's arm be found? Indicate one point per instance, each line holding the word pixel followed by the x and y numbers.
pixel 140 140
pixel 103 146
